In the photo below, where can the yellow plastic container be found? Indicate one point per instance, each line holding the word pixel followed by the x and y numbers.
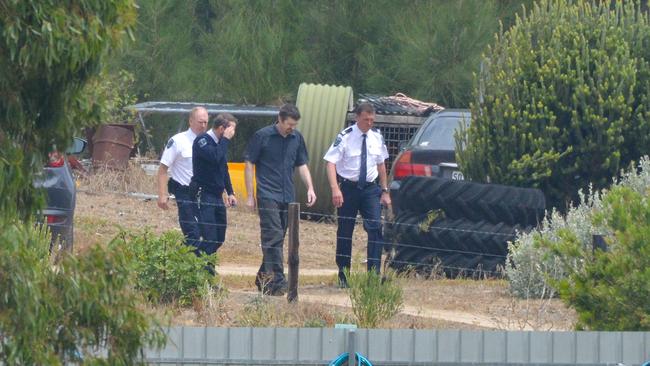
pixel 236 171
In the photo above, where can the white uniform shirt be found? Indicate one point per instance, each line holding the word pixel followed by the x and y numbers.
pixel 345 152
pixel 178 156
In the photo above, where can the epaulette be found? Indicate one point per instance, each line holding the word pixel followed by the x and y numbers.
pixel 346 131
pixel 377 131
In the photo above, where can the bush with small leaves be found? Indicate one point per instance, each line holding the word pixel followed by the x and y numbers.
pixel 611 290
pixel 562 99
pixel 82 309
pixel 532 265
pixel 374 298
pixel 167 270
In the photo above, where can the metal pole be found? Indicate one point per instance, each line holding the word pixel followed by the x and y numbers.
pixel 294 245
pixel 352 355
pixel 146 134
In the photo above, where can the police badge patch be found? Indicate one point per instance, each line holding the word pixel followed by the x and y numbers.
pixel 170 143
pixel 337 141
pixel 202 142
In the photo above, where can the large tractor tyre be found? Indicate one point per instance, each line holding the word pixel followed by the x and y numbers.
pixel 474 201
pixel 407 229
pixel 420 261
pixel 471 237
pixel 464 248
pixel 472 266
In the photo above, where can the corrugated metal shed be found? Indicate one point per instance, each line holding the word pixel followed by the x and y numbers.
pixel 323 109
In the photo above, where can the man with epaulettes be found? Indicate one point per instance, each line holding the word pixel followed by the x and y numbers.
pixel 175 173
pixel 211 178
pixel 357 176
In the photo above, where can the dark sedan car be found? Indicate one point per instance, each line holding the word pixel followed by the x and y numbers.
pixel 61 192
pixel 431 151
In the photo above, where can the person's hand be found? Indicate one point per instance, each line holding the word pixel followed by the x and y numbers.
pixel 385 199
pixel 229 132
pixel 231 201
pixel 162 202
pixel 337 197
pixel 311 197
pixel 250 202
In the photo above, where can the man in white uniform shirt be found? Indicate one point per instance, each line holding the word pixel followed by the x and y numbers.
pixel 175 174
pixel 357 176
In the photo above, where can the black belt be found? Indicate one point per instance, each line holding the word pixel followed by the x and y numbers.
pixel 356 184
pixel 173 186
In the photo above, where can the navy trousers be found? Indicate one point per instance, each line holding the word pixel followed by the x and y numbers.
pixel 367 202
pixel 212 221
pixel 187 212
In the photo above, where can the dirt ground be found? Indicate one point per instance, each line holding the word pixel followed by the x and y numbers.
pixel 442 303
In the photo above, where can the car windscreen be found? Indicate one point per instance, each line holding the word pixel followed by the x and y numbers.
pixel 439 134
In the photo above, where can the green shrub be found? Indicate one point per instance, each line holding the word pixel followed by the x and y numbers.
pixel 532 265
pixel 611 292
pixel 166 269
pixel 68 312
pixel 562 99
pixel 374 298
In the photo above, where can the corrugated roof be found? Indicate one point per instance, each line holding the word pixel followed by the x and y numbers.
pixel 213 108
pixel 323 109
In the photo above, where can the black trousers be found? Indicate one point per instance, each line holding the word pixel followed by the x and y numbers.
pixel 187 212
pixel 273 228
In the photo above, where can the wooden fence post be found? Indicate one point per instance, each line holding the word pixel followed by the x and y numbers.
pixel 294 244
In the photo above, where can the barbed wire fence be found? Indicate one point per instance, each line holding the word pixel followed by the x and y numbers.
pixel 427 265
pixel 389 243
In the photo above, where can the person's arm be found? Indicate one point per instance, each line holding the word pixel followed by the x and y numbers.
pixel 248 179
pixel 306 178
pixel 227 183
pixel 163 195
pixel 383 182
pixel 337 196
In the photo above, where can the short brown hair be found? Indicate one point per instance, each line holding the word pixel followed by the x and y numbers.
pixel 364 107
pixel 289 111
pixel 222 119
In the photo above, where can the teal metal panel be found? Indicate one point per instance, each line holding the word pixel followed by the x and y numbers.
pixel 323 109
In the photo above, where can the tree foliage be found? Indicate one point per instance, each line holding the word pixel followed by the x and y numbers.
pixel 82 310
pixel 611 291
pixel 259 51
pixel 50 53
pixel 562 99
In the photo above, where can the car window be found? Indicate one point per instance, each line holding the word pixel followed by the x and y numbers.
pixel 439 134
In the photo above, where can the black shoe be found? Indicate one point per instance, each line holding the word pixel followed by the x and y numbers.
pixel 276 292
pixel 343 281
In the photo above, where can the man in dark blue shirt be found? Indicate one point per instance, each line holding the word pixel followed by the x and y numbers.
pixel 210 179
pixel 275 151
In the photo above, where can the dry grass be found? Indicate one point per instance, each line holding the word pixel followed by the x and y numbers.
pixel 101 214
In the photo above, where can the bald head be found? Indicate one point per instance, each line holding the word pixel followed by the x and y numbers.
pixel 199 120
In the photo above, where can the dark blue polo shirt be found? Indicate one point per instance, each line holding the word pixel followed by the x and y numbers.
pixel 275 158
pixel 210 165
